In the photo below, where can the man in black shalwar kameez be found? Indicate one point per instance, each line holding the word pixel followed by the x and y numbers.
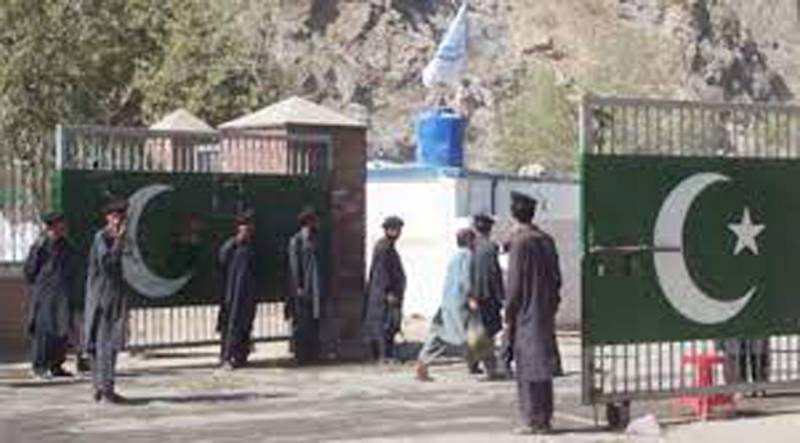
pixel 383 307
pixel 305 289
pixel 106 308
pixel 532 299
pixel 487 286
pixel 237 311
pixel 52 271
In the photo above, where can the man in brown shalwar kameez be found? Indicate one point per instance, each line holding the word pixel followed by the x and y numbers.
pixel 532 299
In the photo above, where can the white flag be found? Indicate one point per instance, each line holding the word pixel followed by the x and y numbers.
pixel 450 60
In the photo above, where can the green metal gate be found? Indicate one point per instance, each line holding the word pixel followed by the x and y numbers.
pixel 184 189
pixel 689 215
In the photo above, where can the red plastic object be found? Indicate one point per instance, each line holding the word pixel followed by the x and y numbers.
pixel 703 377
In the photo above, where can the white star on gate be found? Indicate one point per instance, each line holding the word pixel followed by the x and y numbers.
pixel 746 233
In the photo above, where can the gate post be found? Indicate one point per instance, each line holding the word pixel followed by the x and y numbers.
pixel 340 327
pixel 586 138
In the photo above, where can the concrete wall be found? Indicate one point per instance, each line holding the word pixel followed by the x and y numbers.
pixel 428 208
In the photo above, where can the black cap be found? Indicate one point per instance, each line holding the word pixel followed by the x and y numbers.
pixel 48 218
pixel 116 205
pixel 523 200
pixel 307 215
pixel 393 221
pixel 246 217
pixel 482 218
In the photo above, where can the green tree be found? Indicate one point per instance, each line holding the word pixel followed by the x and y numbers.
pixel 126 63
pixel 68 61
pixel 539 126
pixel 207 65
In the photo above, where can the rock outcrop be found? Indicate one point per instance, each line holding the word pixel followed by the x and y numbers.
pixel 365 57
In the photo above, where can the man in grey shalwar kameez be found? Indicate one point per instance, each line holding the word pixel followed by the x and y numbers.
pixel 487 286
pixel 448 328
pixel 52 271
pixel 238 308
pixel 305 289
pixel 383 307
pixel 532 299
pixel 106 310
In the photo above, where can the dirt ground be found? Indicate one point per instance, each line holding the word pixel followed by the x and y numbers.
pixel 180 395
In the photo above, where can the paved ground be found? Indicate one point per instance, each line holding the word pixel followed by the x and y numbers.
pixel 182 397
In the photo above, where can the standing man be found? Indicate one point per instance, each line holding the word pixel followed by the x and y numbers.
pixel 106 310
pixel 487 283
pixel 383 308
pixel 305 288
pixel 237 311
pixel 532 299
pixel 51 270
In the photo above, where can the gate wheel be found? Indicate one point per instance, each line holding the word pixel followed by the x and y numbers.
pixel 618 414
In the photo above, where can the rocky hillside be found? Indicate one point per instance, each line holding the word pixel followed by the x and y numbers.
pixel 365 57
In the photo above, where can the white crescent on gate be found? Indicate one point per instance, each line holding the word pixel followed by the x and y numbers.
pixel 134 269
pixel 677 284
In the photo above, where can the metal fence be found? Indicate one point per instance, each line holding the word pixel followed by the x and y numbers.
pixel 233 152
pixel 236 152
pixel 648 370
pixel 616 126
pixel 24 194
pixel 163 327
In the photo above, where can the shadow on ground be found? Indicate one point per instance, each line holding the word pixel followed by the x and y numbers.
pixel 33 383
pixel 162 355
pixel 204 398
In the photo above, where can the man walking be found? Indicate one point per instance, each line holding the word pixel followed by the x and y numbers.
pixel 51 270
pixel 237 311
pixel 383 308
pixel 448 328
pixel 487 286
pixel 106 302
pixel 532 299
pixel 305 288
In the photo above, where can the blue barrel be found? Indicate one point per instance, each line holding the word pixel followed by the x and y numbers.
pixel 440 138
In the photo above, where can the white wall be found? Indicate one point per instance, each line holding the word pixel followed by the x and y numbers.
pixel 428 208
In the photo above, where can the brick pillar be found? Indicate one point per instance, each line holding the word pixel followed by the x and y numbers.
pixel 13 316
pixel 340 328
